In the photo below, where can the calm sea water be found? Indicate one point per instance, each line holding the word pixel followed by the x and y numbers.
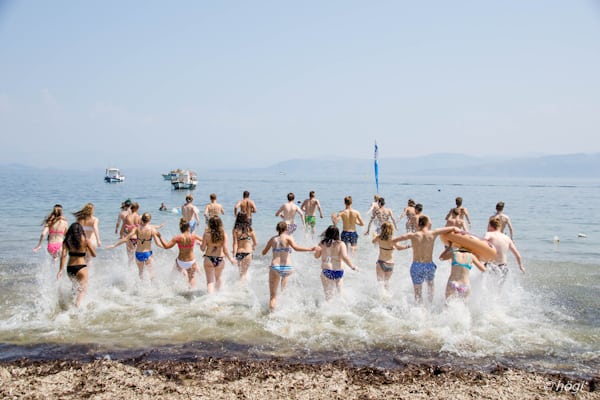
pixel 546 319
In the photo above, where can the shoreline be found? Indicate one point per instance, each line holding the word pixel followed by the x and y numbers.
pixel 219 378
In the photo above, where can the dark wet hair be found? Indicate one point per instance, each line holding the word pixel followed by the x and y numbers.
pixel 458 201
pixel 381 201
pixel 419 207
pixel 411 203
pixel 495 223
pixel 500 206
pixel 213 196
pixel 291 196
pixel 423 221
pixel 73 237
pixel 311 194
pixel 246 194
pixel 330 235
pixel 348 200
pixel 242 223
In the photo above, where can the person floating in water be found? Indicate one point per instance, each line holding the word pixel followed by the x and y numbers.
pixel 163 207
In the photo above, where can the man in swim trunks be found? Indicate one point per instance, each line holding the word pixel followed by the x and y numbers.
pixel 422 268
pixel 288 213
pixel 350 218
pixel 310 206
pixel 213 209
pixel 463 214
pixel 189 212
pixel 503 244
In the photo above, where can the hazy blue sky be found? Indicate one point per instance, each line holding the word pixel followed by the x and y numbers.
pixel 229 83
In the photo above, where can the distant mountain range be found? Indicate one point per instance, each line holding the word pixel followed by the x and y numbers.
pixel 559 166
pixel 436 165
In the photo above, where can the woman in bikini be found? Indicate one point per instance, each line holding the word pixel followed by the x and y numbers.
pixel 459 284
pixel 86 218
pixel 281 268
pixel 55 227
pixel 332 251
pixel 77 247
pixel 244 243
pixel 214 246
pixel 185 263
pixel 143 251
pixel 130 222
pixel 385 262
pixel 409 212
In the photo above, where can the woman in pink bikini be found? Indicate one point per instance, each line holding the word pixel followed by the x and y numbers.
pixel 55 227
pixel 185 263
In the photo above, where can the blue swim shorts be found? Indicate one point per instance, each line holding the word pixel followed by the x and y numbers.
pixel 420 272
pixel 349 237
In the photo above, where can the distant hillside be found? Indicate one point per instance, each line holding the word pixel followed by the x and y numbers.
pixel 559 166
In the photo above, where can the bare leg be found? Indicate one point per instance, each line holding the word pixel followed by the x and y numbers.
pixel 430 288
pixel 80 284
pixel 218 272
pixel 209 270
pixel 418 293
pixel 328 287
pixel 274 279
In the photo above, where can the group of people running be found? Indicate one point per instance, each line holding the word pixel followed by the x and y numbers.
pixel 75 245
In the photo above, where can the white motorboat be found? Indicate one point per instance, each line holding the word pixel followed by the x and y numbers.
pixel 113 175
pixel 173 174
pixel 185 179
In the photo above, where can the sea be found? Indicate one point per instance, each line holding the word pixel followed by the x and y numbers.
pixel 545 319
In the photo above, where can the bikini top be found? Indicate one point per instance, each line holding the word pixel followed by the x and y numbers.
pixel 76 254
pixel 467 265
pixel 185 246
pixel 281 248
pixel 53 232
pixel 87 228
pixel 244 238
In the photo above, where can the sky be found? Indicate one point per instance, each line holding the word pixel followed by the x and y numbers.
pixel 219 84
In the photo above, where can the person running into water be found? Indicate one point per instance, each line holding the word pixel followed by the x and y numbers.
pixel 463 214
pixel 189 212
pixel 374 206
pixel 455 220
pixel 422 268
pixel 383 214
pixel 409 212
pixel 213 209
pixel 244 244
pixel 89 222
pixel 332 251
pixel 503 244
pixel 281 263
pixel 214 246
pixel 131 221
pixel 143 234
pixel 77 247
pixel 125 211
pixel 350 218
pixel 459 284
pixel 246 206
pixel 504 219
pixel 385 261
pixel 310 207
pixel 55 227
pixel 288 213
pixel 185 263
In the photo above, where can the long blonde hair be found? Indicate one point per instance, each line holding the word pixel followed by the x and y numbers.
pixel 86 212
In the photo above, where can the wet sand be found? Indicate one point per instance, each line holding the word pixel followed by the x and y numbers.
pixel 213 378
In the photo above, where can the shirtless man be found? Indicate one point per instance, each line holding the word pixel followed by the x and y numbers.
pixel 189 212
pixel 310 207
pixel 503 244
pixel 350 218
pixel 125 211
pixel 455 220
pixel 381 215
pixel 213 209
pixel 422 268
pixel 246 206
pixel 504 219
pixel 288 213
pixel 462 211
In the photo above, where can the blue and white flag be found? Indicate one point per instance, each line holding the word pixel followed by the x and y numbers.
pixel 376 166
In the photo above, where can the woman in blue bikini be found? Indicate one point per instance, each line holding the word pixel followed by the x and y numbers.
pixel 281 268
pixel 143 250
pixel 332 251
pixel 214 245
pixel 459 285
